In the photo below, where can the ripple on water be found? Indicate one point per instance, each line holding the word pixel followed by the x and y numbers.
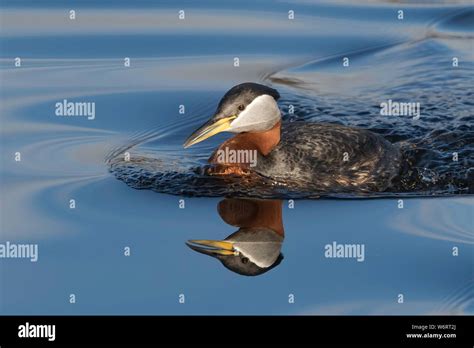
pixel 459 24
pixel 458 302
pixel 57 162
pixel 438 219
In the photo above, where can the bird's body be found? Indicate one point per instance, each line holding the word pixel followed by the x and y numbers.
pixel 332 157
pixel 319 156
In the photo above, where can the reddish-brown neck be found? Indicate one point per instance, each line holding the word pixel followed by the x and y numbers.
pixel 263 142
pixel 252 213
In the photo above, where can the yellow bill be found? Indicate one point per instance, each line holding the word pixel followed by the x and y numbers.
pixel 209 129
pixel 212 247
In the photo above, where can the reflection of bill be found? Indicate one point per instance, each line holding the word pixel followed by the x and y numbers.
pixel 255 247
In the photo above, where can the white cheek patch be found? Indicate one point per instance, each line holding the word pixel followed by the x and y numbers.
pixel 260 115
pixel 263 254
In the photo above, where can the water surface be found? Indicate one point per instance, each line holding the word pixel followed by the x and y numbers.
pixel 408 250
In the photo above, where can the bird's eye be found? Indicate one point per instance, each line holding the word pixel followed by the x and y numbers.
pixel 245 260
pixel 241 107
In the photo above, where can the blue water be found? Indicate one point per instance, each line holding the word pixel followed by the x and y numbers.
pixel 408 250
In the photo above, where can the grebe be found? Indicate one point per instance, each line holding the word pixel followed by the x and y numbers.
pixel 330 157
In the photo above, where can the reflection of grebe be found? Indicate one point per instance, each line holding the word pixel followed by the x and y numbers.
pixel 338 158
pixel 255 248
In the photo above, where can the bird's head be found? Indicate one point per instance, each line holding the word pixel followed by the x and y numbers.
pixel 249 251
pixel 248 107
